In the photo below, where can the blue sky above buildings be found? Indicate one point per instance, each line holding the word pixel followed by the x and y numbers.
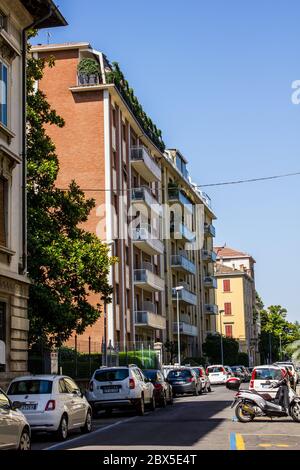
pixel 216 78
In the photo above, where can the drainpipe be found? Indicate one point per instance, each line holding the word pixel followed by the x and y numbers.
pixel 23 267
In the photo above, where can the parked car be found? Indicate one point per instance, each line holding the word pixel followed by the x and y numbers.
pixel 239 372
pixel 217 374
pixel 162 389
pixel 229 371
pixel 264 377
pixel 298 373
pixel 184 381
pixel 206 385
pixel 166 369
pixel 292 372
pixel 52 403
pixel 246 373
pixel 14 428
pixel 113 388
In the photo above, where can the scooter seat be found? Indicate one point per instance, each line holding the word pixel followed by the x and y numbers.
pixel 266 396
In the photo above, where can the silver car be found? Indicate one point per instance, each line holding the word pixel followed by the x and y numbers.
pixel 14 428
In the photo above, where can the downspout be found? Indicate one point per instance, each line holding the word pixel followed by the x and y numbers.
pixel 23 267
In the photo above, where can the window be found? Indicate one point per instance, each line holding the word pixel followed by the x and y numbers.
pixel 2 321
pixel 4 403
pixel 3 21
pixel 111 375
pixel 3 93
pixel 62 386
pixel 3 211
pixel 117 294
pixel 226 285
pixel 227 308
pixel 128 297
pixel 228 331
pixel 114 159
pixel 71 386
pixel 31 387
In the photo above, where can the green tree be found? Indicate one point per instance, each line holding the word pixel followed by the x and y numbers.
pixel 212 349
pixel 275 330
pixel 66 264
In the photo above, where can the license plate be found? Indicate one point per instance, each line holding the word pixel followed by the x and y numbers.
pixel 178 383
pixel 215 375
pixel 265 385
pixel 111 390
pixel 28 407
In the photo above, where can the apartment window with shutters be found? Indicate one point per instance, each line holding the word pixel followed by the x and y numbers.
pixel 2 328
pixel 3 93
pixel 228 331
pixel 227 308
pixel 226 285
pixel 3 211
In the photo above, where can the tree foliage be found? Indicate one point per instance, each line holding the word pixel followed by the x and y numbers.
pixel 66 264
pixel 212 349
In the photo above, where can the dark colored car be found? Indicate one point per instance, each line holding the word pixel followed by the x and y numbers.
pixel 183 381
pixel 162 389
pixel 239 373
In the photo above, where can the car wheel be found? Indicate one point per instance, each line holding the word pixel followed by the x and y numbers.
pixel 62 432
pixel 87 428
pixel 25 441
pixel 163 401
pixel 209 389
pixel 153 404
pixel 141 407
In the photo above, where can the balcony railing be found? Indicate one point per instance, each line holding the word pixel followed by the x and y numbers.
pixel 183 263
pixel 185 296
pixel 148 280
pixel 209 230
pixel 176 195
pixel 211 309
pixel 144 195
pixel 185 329
pixel 181 231
pixel 88 80
pixel 209 256
pixel 145 164
pixel 146 240
pixel 150 320
pixel 211 281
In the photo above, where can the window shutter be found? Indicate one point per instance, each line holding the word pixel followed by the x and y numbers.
pixel 227 308
pixel 228 331
pixel 226 285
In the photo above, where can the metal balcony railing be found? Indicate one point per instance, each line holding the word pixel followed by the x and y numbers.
pixel 181 231
pixel 148 319
pixel 209 230
pixel 145 195
pixel 209 256
pixel 210 281
pixel 176 195
pixel 184 263
pixel 185 329
pixel 211 309
pixel 185 295
pixel 141 155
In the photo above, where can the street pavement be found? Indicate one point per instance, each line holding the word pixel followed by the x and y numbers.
pixel 193 423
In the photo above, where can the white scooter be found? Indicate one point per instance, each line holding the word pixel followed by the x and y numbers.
pixel 251 404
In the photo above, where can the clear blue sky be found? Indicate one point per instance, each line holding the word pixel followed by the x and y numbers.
pixel 216 78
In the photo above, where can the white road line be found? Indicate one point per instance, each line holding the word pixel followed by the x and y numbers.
pixel 93 433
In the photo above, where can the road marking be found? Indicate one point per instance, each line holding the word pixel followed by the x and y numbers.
pixel 237 442
pixel 98 431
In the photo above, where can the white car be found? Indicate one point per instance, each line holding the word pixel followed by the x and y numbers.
pixel 120 387
pixel 51 403
pixel 292 371
pixel 14 428
pixel 264 377
pixel 217 374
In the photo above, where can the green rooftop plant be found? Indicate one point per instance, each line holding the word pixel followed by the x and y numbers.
pixel 88 66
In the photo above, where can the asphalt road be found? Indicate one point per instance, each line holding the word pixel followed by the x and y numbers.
pixel 192 423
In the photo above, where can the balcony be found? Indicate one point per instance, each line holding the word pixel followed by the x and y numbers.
pixel 185 296
pixel 88 80
pixel 176 195
pixel 145 196
pixel 144 164
pixel 146 319
pixel 210 282
pixel 182 263
pixel 209 230
pixel 185 329
pixel 143 239
pixel 209 256
pixel 211 309
pixel 147 279
pixel 182 232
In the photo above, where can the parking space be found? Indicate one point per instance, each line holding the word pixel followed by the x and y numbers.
pixel 265 441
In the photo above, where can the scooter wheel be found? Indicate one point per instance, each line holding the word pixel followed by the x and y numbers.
pixel 295 412
pixel 243 416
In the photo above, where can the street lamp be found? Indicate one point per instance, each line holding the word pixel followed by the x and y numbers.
pixel 178 289
pixel 280 347
pixel 222 351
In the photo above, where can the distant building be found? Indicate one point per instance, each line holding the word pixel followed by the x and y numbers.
pixel 15 16
pixel 236 299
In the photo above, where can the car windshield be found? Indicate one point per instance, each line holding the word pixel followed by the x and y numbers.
pixel 197 372
pixel 150 374
pixel 236 369
pixel 179 374
pixel 111 375
pixel 213 370
pixel 30 387
pixel 268 374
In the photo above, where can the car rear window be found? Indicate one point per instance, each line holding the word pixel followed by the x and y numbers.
pixel 30 387
pixel 214 370
pixel 179 374
pixel 111 375
pixel 267 374
pixel 151 374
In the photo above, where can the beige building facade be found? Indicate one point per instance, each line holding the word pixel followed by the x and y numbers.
pixel 15 17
